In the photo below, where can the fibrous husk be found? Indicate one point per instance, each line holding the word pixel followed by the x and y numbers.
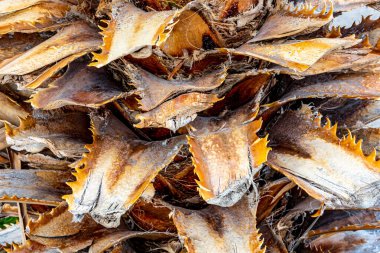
pixel 333 170
pixel 286 22
pixel 220 229
pixel 177 112
pixel 296 55
pixel 360 85
pixel 152 216
pixel 33 186
pixel 74 39
pixel 80 85
pixel 116 171
pixel 154 90
pixel 36 18
pixel 64 134
pixel 270 195
pixel 226 154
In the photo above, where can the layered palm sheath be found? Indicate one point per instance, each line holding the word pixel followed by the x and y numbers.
pixel 205 126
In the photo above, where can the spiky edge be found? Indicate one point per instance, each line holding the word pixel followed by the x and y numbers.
pixel 45 218
pixel 308 11
pixel 101 59
pixel 349 143
pixel 81 171
pixel 258 150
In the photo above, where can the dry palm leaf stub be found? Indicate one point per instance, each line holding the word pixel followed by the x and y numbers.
pixel 35 18
pixel 76 38
pixel 226 155
pixel 358 85
pixel 153 90
pixel 220 229
pixel 80 85
pixel 298 55
pixel 302 20
pixel 116 171
pixel 33 186
pixel 333 170
pixel 63 133
pixel 165 29
pixel 177 112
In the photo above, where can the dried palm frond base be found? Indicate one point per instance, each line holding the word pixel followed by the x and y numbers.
pixel 189 126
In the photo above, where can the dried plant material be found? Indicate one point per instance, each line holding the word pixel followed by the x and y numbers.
pixel 226 155
pixel 33 186
pixel 166 29
pixel 218 75
pixel 151 216
pixel 187 31
pixel 297 55
pixel 44 162
pixel 64 134
pixel 363 86
pixel 352 59
pixel 347 242
pixel 55 223
pixel 365 115
pixel 65 244
pixel 76 38
pixel 220 229
pixel 335 171
pixel 110 239
pixel 154 90
pixel 11 45
pixel 345 220
pixel 117 162
pixel 3 142
pixel 11 234
pixel 124 20
pixel 7 6
pixel 364 121
pixel 177 112
pixel 11 111
pixel 286 22
pixel 50 72
pixel 270 195
pixel 347 5
pixel 235 7
pixel 29 247
pixel 371 140
pixel 35 18
pixel 80 85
